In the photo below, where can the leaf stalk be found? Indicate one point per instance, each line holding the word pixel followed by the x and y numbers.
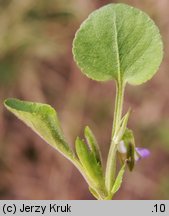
pixel 111 160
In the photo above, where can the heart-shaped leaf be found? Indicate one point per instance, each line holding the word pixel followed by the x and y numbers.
pixel 43 119
pixel 118 42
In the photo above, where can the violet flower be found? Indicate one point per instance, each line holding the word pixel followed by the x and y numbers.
pixel 139 152
pixel 142 152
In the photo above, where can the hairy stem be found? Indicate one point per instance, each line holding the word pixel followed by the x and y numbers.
pixel 111 160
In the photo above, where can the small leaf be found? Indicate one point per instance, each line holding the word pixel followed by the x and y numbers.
pixel 92 142
pixel 118 180
pixel 122 127
pixel 88 160
pixel 42 119
pixel 118 42
pixel 111 169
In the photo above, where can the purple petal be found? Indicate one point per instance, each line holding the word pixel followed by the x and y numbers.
pixel 143 152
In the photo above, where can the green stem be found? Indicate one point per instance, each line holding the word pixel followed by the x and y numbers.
pixel 111 161
pixel 103 192
pixel 118 106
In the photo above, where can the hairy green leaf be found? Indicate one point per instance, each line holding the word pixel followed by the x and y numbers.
pixel 118 181
pixel 43 119
pixel 92 142
pixel 118 42
pixel 89 162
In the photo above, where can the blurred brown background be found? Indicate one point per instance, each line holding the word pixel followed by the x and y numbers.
pixel 36 64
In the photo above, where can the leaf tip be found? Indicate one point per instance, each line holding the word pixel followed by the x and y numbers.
pixel 86 130
pixel 9 102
